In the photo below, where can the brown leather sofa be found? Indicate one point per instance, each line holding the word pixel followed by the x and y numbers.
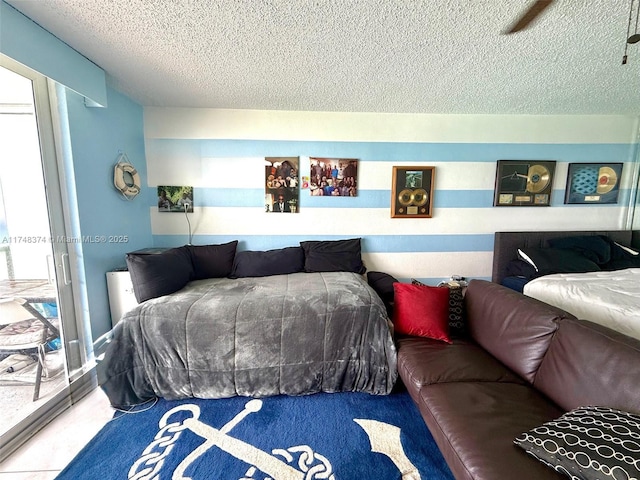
pixel 524 363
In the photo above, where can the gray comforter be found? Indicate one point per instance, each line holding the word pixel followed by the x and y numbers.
pixel 286 334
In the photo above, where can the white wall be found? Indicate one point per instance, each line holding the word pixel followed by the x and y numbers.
pixel 221 154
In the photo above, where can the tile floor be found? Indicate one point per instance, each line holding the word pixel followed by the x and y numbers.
pixel 46 454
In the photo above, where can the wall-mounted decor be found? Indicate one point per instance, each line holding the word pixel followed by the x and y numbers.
pixel 333 177
pixel 175 199
pixel 524 183
pixel 593 183
pixel 126 178
pixel 412 192
pixel 282 184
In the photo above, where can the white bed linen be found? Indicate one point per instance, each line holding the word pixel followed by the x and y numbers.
pixel 611 299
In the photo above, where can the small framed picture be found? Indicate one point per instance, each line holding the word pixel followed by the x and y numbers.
pixel 523 183
pixel 593 183
pixel 175 199
pixel 412 192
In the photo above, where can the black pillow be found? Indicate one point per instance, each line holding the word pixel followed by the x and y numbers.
pixel 213 261
pixel 159 274
pixel 265 263
pixel 619 252
pixel 622 257
pixel 623 263
pixel 596 248
pixel 520 268
pixel 333 256
pixel 587 442
pixel 457 322
pixel 382 283
pixel 515 283
pixel 557 260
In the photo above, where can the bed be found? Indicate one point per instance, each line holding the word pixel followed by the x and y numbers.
pixel 292 321
pixel 593 275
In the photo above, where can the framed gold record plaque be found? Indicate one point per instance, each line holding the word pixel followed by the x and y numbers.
pixel 593 183
pixel 524 183
pixel 412 192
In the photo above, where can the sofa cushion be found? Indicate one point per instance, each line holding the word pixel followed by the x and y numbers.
pixel 421 311
pixel 587 443
pixel 423 361
pixel 512 327
pixel 588 364
pixel 474 424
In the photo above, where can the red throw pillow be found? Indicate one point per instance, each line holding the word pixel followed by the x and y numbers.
pixel 421 310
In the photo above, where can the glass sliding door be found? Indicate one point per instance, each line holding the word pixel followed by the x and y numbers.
pixel 34 263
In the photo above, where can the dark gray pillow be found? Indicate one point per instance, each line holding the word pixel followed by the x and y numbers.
pixel 587 442
pixel 159 274
pixel 622 263
pixel 556 260
pixel 213 261
pixel 520 268
pixel 382 283
pixel 270 262
pixel 596 248
pixel 333 256
pixel 622 257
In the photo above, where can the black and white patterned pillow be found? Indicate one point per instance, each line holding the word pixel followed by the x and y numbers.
pixel 457 324
pixel 588 443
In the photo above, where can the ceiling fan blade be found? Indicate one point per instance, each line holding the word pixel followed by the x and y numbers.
pixel 529 16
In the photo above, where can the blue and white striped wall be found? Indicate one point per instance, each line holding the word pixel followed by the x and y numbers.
pixel 221 153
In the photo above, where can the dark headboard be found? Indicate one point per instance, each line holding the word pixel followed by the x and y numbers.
pixel 506 244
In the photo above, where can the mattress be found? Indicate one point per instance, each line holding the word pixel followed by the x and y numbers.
pixel 610 298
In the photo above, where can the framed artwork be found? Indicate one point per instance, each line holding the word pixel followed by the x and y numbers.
pixel 175 199
pixel 593 183
pixel 333 177
pixel 524 183
pixel 282 185
pixel 412 192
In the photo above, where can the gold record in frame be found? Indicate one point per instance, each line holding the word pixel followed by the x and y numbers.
pixel 607 179
pixel 521 183
pixel 405 197
pixel 419 197
pixel 537 178
pixel 591 183
pixel 412 192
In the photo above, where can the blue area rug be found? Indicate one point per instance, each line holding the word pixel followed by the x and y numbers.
pixel 340 436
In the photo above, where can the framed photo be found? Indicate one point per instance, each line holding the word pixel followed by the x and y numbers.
pixel 524 183
pixel 282 184
pixel 333 177
pixel 412 192
pixel 175 199
pixel 593 183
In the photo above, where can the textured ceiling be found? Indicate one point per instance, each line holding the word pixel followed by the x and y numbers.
pixel 405 56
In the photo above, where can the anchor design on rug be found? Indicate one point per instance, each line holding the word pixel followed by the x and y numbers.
pixel 384 438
